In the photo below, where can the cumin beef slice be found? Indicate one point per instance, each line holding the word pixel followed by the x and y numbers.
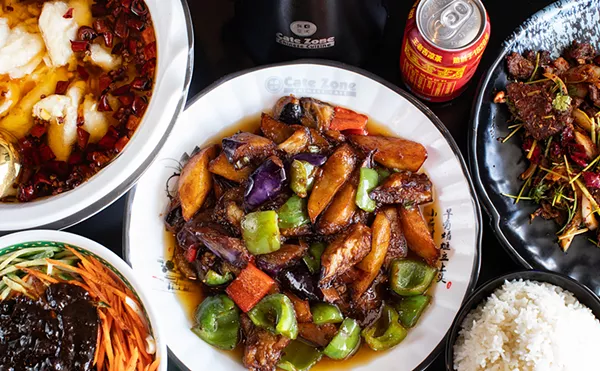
pixel 580 52
pixel 519 67
pixel 263 348
pixel 532 105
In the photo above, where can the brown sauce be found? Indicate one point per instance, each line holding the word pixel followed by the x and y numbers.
pixel 191 299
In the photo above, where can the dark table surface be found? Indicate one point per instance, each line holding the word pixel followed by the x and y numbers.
pixel 218 53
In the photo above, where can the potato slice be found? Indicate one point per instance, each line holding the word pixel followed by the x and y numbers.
pixel 339 213
pixel 336 171
pixel 394 153
pixel 372 263
pixel 195 181
pixel 221 166
pixel 20 120
pixel 274 129
pixel 417 234
pixel 296 143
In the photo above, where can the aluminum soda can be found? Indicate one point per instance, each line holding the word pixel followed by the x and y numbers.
pixel 442 47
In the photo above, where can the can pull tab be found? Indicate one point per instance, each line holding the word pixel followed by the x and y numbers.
pixel 451 19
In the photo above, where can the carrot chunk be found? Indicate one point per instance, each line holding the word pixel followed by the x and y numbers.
pixel 249 287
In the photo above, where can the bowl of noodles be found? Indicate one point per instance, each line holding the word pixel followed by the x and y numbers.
pixel 89 90
pixel 69 303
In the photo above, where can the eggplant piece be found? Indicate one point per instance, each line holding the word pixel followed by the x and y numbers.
pixel 243 148
pixel 314 159
pixel 227 248
pixel 297 142
pixel 301 231
pixel 288 110
pixel 229 209
pixel 174 218
pixel 318 335
pixel 182 264
pixel 418 235
pixel 317 114
pixel 336 172
pixel 367 308
pixel 319 143
pixel 262 349
pixel 195 182
pixel 299 281
pixel 372 263
pixel 394 153
pixel 344 252
pixel 404 188
pixel 302 308
pixel 398 247
pixel 265 183
pixel 335 136
pixel 222 167
pixel 274 129
pixel 339 213
pixel 285 257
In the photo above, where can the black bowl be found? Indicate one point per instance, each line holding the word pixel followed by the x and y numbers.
pixel 496 166
pixel 581 292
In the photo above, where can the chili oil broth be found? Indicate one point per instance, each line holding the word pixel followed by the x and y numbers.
pixel 190 300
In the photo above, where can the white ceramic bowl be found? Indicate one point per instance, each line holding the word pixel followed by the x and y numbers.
pixel 108 258
pixel 248 93
pixel 174 35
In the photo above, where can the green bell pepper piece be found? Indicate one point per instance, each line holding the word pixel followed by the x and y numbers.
pixel 368 180
pixel 218 322
pixel 313 259
pixel 345 342
pixel 383 173
pixel 302 177
pixel 293 213
pixel 326 313
pixel 260 231
pixel 410 277
pixel 386 332
pixel 213 278
pixel 299 356
pixel 276 313
pixel 410 309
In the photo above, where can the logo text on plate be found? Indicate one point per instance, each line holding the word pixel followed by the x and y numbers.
pixel 325 86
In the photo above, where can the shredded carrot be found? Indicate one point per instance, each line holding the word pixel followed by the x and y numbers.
pixel 154 365
pixel 41 276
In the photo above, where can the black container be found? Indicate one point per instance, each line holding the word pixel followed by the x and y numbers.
pixel 282 30
pixel 581 292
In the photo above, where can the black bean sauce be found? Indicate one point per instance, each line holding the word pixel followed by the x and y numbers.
pixel 56 332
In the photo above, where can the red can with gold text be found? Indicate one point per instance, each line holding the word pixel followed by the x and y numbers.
pixel 442 46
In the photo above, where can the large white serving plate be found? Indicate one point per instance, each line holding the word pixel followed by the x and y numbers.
pixel 248 93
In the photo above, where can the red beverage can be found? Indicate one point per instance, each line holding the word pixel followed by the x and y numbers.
pixel 442 46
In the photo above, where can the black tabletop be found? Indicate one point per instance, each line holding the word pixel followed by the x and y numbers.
pixel 218 52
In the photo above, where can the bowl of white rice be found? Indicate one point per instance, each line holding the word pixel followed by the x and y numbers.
pixel 530 320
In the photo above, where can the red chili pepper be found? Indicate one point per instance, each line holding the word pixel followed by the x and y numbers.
pixel 61 87
pixel 108 39
pixel 68 14
pixel 139 106
pixel 79 46
pixel 38 130
pixel 356 132
pixel 59 168
pixel 190 254
pixel 150 51
pixel 103 105
pixel 345 119
pixel 104 82
pixel 592 180
pixel 121 29
pixel 121 143
pixel 46 153
pixel 76 157
pixel 82 138
pixel 127 99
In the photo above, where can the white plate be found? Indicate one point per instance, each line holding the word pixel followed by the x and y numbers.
pixel 249 93
pixel 109 259
pixel 174 38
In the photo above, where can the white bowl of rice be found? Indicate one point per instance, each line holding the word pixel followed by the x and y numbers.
pixel 527 321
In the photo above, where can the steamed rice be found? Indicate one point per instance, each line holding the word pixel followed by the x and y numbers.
pixel 527 325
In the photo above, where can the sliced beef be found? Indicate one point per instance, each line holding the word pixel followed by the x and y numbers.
pixel 532 104
pixel 285 257
pixel 344 252
pixel 560 66
pixel 580 52
pixel 519 67
pixel 594 94
pixel 262 348
pixel 404 188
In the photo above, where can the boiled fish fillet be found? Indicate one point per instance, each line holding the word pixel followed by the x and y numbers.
pixel 57 32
